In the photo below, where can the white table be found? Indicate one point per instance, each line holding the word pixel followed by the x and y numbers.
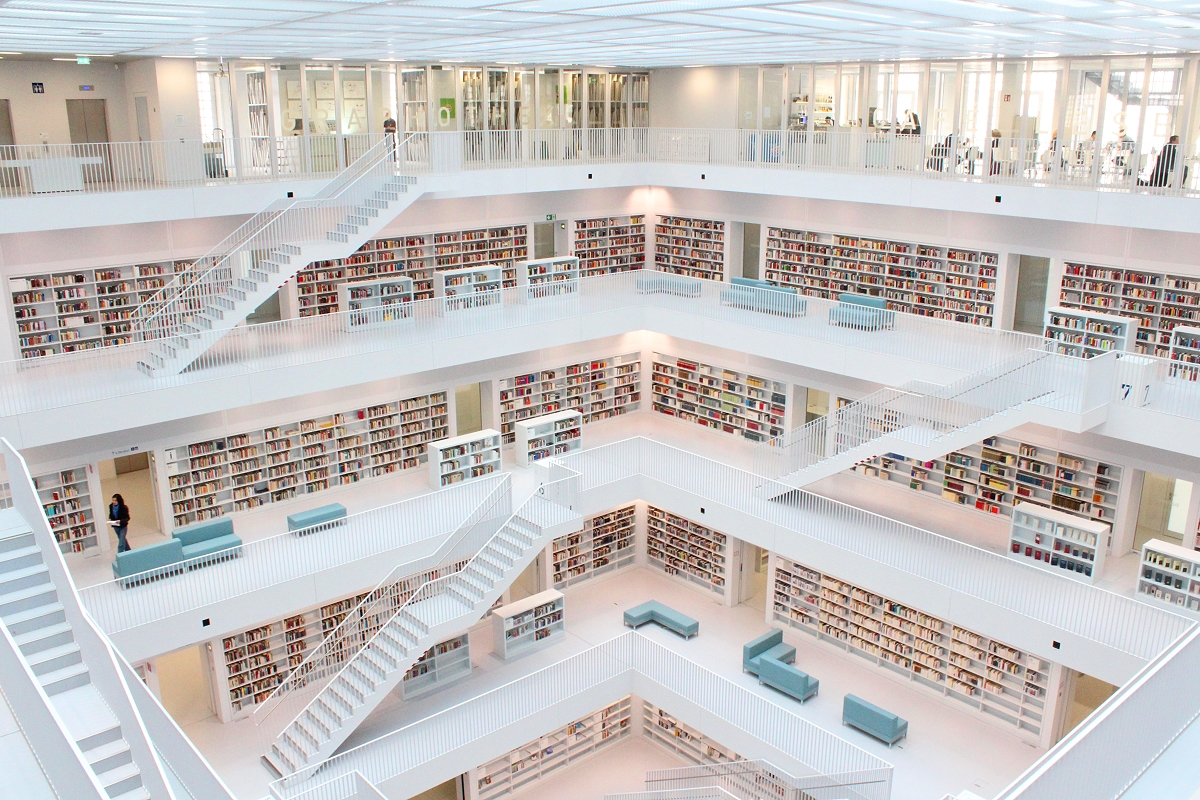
pixel 55 173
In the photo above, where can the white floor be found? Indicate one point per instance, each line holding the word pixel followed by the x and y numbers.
pixel 948 748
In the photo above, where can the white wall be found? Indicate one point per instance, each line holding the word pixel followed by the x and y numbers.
pixel 700 97
pixel 39 118
pixel 178 99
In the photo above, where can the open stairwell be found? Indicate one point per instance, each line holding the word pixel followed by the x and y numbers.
pixel 184 319
pixel 922 421
pixel 436 611
pixel 31 610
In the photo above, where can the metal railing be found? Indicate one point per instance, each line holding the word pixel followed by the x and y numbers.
pixel 30 170
pixel 614 669
pixel 1120 623
pixel 168 591
pixel 757 778
pixel 370 614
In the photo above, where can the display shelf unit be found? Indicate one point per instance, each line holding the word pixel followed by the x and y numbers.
pixel 371 302
pixel 1087 334
pixel 67 500
pixel 534 760
pixel 1001 682
pixel 666 730
pixel 1185 352
pixel 929 280
pixel 253 662
pixel 548 277
pixel 416 256
pixel 687 246
pixel 469 288
pixel 1158 301
pixel 464 458
pixel 998 473
pixel 610 244
pixel 685 549
pixel 550 435
pixel 722 399
pixel 1058 541
pixel 81 309
pixel 606 543
pixel 599 389
pixel 438 666
pixel 1169 574
pixel 526 625
pixel 242 471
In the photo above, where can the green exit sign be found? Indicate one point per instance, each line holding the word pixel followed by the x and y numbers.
pixel 549 217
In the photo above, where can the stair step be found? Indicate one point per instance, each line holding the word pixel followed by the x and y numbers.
pixel 24 578
pixel 109 755
pixel 34 618
pixel 19 557
pixel 41 638
pixel 52 659
pixel 120 779
pixel 65 679
pixel 25 599
pixel 140 793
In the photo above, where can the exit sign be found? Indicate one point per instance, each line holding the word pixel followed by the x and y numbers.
pixel 549 217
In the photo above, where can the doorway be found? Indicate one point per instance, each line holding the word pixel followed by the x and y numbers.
pixel 130 476
pixel 468 409
pixel 750 249
pixel 183 685
pixel 87 121
pixel 1081 695
pixel 814 402
pixel 141 109
pixel 1033 276
pixel 6 127
pixel 752 588
pixel 1162 509
pixel 543 240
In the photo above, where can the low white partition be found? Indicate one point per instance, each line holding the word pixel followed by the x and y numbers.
pixel 528 624
pixel 464 458
pixel 549 435
pixel 470 287
pixel 375 301
pixel 548 277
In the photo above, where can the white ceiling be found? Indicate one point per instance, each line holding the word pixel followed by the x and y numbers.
pixel 655 33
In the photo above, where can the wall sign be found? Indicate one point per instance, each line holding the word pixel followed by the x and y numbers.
pixel 39 88
pixel 83 87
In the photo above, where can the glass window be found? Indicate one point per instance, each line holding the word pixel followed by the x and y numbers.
pixel 976 123
pixel 848 112
pixel 943 100
pixel 382 105
pixel 1083 96
pixel 910 97
pixel 441 86
pixel 523 105
pixel 1122 118
pixel 772 98
pixel 322 113
pixel 497 89
pixel 549 99
pixel 414 100
pixel 824 89
pixel 291 111
pixel 253 119
pixel 799 98
pixel 595 100
pixel 354 100
pixel 881 89
pixel 1041 110
pixel 1164 114
pixel 639 105
pixel 618 100
pixel 471 85
pixel 748 98
pixel 572 94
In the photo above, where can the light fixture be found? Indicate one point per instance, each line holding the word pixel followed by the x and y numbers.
pixel 325 58
pixel 200 39
pixel 393 59
pixel 9 53
pixel 64 59
pixel 256 58
pixel 693 66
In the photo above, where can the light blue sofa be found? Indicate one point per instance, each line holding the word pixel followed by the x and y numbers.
pixel 862 312
pixel 212 538
pixel 315 516
pixel 787 679
pixel 873 720
pixel 769 645
pixel 768 298
pixel 667 283
pixel 669 618
pixel 160 557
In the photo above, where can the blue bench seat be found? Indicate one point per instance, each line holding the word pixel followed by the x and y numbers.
pixel 873 720
pixel 787 679
pixel 767 298
pixel 669 618
pixel 212 538
pixel 160 557
pixel 315 516
pixel 769 645
pixel 189 547
pixel 862 312
pixel 667 283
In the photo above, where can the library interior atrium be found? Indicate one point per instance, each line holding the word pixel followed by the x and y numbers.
pixel 705 400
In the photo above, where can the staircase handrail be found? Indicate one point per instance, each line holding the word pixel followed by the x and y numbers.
pixel 565 487
pixel 339 646
pixel 732 776
pixel 153 317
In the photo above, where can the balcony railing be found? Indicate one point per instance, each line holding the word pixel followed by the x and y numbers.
pixel 32 170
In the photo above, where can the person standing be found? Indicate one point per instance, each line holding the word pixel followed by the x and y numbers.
pixel 1164 165
pixel 118 517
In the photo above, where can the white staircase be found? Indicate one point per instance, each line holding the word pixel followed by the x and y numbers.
pixel 917 420
pixel 31 611
pixel 436 611
pixel 199 306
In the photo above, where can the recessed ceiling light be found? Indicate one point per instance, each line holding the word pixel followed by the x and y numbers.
pixel 9 53
pixel 64 59
pixel 393 59
pixel 692 66
pixel 256 58
pixel 200 39
pixel 325 58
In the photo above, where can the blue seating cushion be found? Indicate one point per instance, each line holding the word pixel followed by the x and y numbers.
pixel 871 719
pixel 866 300
pixel 203 531
pixel 640 615
pixel 654 611
pixel 315 516
pixel 671 284
pixel 151 556
pixel 210 546
pixel 756 647
pixel 751 283
pixel 787 679
pixel 783 653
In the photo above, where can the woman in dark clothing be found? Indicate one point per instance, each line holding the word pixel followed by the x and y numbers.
pixel 118 517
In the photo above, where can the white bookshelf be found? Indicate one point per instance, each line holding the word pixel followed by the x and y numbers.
pixel 1005 685
pixel 688 246
pixel 1087 334
pixel 469 287
pixel 245 470
pixel 665 730
pixel 66 498
pixel 610 244
pixel 439 666
pixel 371 302
pixel 725 400
pixel 599 389
pixel 550 435
pixel 1170 575
pixel 464 458
pixel 996 474
pixel 686 550
pixel 548 277
pixel 925 279
pixel 1185 352
pixel 606 543
pixel 1054 540
pixel 545 755
pixel 523 626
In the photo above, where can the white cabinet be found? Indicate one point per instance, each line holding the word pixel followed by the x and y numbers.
pixel 550 435
pixel 376 301
pixel 1169 574
pixel 472 287
pixel 464 458
pixel 1058 541
pixel 1185 350
pixel 548 277
pixel 1088 334
pixel 527 624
